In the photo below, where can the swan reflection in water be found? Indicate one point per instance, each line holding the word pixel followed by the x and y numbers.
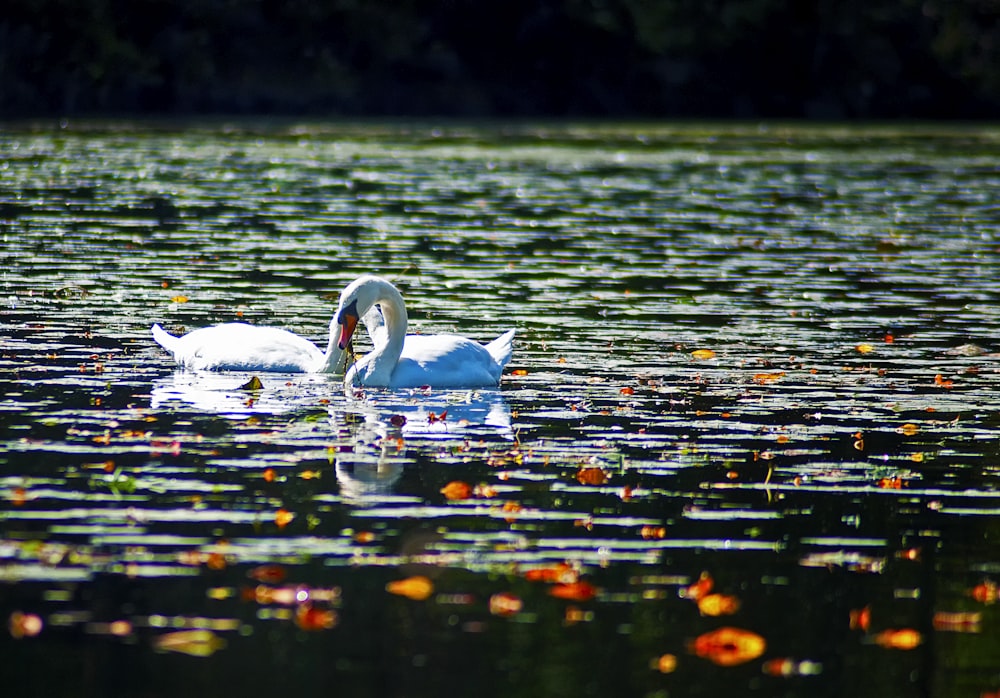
pixel 365 427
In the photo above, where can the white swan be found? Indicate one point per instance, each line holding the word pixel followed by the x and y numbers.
pixel 400 360
pixel 237 346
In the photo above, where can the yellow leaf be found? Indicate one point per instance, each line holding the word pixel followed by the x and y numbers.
pixel 703 354
pixel 416 588
pixel 865 348
pixel 179 299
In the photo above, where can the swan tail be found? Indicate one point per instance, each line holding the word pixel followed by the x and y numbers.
pixel 501 348
pixel 164 339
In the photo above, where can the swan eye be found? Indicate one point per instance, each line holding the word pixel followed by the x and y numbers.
pixel 350 310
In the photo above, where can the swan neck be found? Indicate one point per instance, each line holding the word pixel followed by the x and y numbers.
pixel 334 360
pixel 381 362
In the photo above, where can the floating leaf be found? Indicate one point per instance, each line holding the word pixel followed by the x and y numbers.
pixel 905 639
pixel 269 574
pixel 24 625
pixel 457 490
pixel 988 592
pixel 729 646
pixel 310 618
pixel 700 588
pixel 860 619
pixel 703 354
pixel 665 663
pixel 958 621
pixel 718 605
pixel 574 591
pixel 765 378
pixel 909 429
pixel 561 572
pixel 588 475
pixel 864 348
pixel 179 299
pixel 505 604
pixel 397 420
pixel 416 588
pixel 283 517
pixel 253 384
pixel 197 643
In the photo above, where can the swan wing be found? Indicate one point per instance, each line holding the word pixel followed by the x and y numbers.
pixel 445 361
pixel 237 346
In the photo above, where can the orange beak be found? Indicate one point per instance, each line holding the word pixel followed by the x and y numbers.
pixel 348 323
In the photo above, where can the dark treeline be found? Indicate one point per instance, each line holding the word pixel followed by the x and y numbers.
pixel 827 59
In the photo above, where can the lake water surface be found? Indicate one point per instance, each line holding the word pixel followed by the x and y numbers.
pixel 749 442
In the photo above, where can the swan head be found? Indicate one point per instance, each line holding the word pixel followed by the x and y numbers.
pixel 355 303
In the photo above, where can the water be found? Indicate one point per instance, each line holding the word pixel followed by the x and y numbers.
pixel 762 355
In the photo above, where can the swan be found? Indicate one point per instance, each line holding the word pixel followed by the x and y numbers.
pixel 237 346
pixel 399 360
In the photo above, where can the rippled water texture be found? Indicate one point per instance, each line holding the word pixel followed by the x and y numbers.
pixel 748 442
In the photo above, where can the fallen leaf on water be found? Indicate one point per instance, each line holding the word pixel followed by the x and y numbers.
pixel 196 643
pixel 416 588
pixel 861 618
pixel 270 574
pixel 765 378
pixel 729 646
pixel 591 476
pixel 24 625
pixel 310 618
pixel 909 429
pixel 574 591
pixel 905 639
pixel 958 621
pixel 864 348
pixel 700 588
pixel 665 663
pixel 283 517
pixel 179 299
pixel 718 605
pixel 627 391
pixel 561 572
pixel 651 532
pixel 942 382
pixel 397 420
pixel 505 604
pixel 253 384
pixel 457 490
pixel 987 592
pixel 703 354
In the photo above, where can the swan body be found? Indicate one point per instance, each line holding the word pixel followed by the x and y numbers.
pixel 399 360
pixel 237 346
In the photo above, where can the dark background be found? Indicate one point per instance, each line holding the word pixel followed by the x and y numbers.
pixel 823 59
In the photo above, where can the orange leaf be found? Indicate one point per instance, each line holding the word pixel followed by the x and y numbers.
pixel 703 354
pixel 909 429
pixel 987 592
pixel 270 574
pixel 283 517
pixel 729 646
pixel 860 619
pixel 457 490
pixel 718 605
pixel 505 604
pixel 591 476
pixel 765 378
pixel 561 572
pixel 864 348
pixel 701 587
pixel 905 639
pixel 574 591
pixel 416 588
pixel 310 618
pixel 665 664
